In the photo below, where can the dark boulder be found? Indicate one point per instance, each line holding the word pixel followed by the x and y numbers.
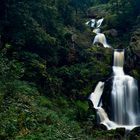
pixel 120 131
pixel 134 134
pixel 111 32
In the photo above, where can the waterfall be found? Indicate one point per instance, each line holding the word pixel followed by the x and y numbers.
pixel 91 23
pixel 99 22
pixel 95 97
pixel 124 94
pixel 118 58
pixel 124 98
pixel 100 38
pixel 97 30
pixel 95 23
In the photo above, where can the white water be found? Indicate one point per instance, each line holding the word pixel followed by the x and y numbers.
pixel 125 105
pixel 99 22
pixel 91 23
pixel 124 94
pixel 95 23
pixel 97 30
pixel 96 95
pixel 100 38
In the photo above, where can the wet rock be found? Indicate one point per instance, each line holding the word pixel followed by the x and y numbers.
pixel 106 97
pixel 133 55
pixel 102 127
pixel 120 131
pixel 111 32
pixel 132 58
pixel 134 134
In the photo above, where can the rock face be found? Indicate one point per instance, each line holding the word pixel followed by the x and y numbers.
pixel 135 42
pixel 120 131
pixel 133 54
pixel 134 134
pixel 106 97
pixel 112 32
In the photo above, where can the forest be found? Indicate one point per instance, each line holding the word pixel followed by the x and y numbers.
pixel 49 66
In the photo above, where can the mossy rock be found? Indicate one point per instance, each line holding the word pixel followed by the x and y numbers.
pixel 135 41
pixel 134 134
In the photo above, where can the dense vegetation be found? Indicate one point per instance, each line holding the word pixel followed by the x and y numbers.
pixel 49 65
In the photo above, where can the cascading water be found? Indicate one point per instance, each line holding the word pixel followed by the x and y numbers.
pixel 95 23
pixel 91 23
pixel 97 30
pixel 99 22
pixel 124 98
pixel 124 94
pixel 95 97
pixel 100 38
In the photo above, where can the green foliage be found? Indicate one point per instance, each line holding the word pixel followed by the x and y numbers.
pixel 10 69
pixel 30 116
pixel 112 20
pixel 48 65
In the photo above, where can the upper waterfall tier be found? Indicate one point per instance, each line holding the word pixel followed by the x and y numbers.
pixel 118 58
pixel 100 38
